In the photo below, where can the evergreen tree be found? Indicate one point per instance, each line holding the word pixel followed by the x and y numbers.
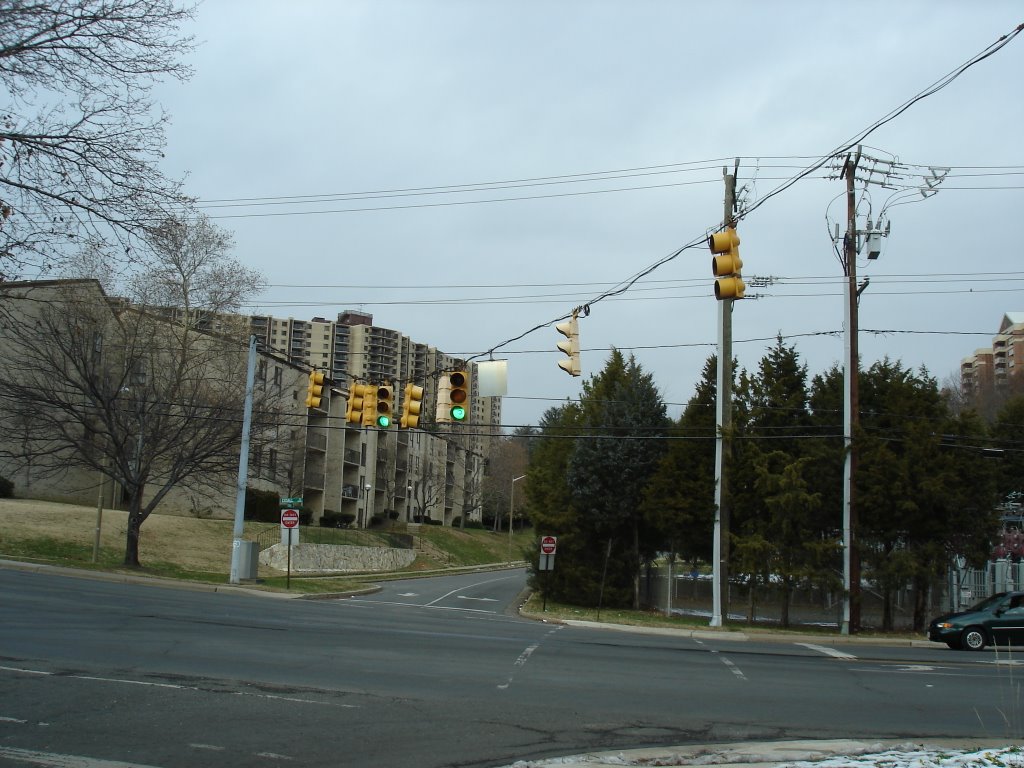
pixel 679 503
pixel 923 493
pixel 625 421
pixel 549 502
pixel 1008 431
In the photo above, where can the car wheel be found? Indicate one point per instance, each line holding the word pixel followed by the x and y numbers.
pixel 973 639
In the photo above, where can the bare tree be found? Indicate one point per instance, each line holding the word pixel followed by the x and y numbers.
pixel 508 460
pixel 148 395
pixel 80 138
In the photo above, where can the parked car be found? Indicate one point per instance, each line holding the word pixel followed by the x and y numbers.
pixel 996 620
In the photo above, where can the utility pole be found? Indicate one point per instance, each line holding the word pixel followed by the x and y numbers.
pixel 851 555
pixel 723 419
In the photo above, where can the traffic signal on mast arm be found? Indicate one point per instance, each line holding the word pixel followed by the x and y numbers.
pixel 315 389
pixel 412 405
pixel 384 406
pixel 726 264
pixel 571 347
pixel 356 399
pixel 459 395
pixel 443 413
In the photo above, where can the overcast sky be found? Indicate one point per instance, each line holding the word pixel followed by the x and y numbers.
pixel 608 125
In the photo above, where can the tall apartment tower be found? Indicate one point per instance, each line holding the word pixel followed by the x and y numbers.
pixel 993 373
pixel 426 474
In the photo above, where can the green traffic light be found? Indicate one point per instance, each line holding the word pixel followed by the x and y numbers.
pixel 383 421
pixel 458 413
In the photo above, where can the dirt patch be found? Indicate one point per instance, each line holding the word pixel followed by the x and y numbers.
pixel 190 543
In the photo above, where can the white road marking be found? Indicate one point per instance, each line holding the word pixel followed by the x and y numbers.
pixel 12 720
pixel 470 586
pixel 525 656
pixel 211 747
pixel 54 760
pixel 408 594
pixel 828 651
pixel 273 756
pixel 25 671
pixel 481 599
pixel 733 668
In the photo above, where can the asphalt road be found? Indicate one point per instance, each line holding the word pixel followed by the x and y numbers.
pixel 432 672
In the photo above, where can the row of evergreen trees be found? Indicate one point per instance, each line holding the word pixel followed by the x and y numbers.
pixel 619 482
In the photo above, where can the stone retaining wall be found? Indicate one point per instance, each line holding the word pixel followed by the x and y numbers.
pixel 336 558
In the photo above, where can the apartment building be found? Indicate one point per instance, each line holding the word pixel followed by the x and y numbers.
pixel 371 474
pixel 992 373
pixel 139 386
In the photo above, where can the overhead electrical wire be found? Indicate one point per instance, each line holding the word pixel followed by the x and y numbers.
pixel 838 152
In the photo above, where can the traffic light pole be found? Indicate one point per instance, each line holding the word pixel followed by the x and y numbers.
pixel 723 418
pixel 235 575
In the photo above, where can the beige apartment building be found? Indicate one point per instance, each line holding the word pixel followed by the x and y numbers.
pixel 373 474
pixel 993 373
pixel 109 371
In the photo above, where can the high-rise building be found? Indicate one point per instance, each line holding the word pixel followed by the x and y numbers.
pixel 993 373
pixel 431 474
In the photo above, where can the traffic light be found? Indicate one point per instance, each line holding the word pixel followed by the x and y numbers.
pixel 384 407
pixel 443 413
pixel 315 389
pixel 571 331
pixel 726 264
pixel 356 398
pixel 459 395
pixel 412 405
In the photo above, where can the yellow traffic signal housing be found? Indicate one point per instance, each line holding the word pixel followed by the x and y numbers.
pixel 459 395
pixel 356 398
pixel 726 264
pixel 443 412
pixel 571 347
pixel 384 407
pixel 370 406
pixel 412 405
pixel 315 389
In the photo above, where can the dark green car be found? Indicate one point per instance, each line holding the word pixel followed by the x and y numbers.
pixel 996 620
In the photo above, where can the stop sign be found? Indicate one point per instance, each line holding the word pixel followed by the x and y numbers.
pixel 548 545
pixel 289 518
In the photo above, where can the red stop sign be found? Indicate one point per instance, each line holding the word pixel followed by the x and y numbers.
pixel 289 518
pixel 548 545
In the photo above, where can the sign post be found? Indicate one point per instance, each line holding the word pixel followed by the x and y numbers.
pixel 289 521
pixel 546 563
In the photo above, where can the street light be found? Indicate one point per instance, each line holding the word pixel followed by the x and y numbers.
pixel 511 506
pixel 408 505
pixel 366 504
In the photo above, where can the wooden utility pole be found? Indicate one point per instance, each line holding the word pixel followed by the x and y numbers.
pixel 723 419
pixel 851 555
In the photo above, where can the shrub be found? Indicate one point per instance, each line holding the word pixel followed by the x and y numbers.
pixel 262 506
pixel 6 488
